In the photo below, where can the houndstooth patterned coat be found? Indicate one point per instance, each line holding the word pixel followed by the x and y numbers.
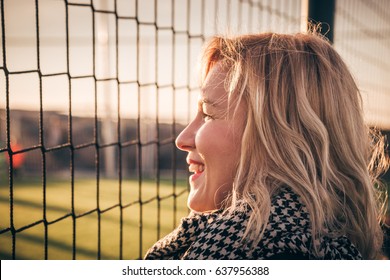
pixel 216 236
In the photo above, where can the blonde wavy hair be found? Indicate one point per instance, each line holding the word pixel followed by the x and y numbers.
pixel 305 130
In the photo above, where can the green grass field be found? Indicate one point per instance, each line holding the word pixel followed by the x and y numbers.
pixel 90 235
pixel 138 222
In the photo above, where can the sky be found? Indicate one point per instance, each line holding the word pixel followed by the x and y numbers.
pixel 163 59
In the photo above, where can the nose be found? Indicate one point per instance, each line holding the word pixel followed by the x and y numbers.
pixel 186 139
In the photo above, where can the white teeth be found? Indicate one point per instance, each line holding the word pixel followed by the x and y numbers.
pixel 196 168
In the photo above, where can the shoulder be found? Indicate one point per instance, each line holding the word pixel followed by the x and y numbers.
pixel 288 234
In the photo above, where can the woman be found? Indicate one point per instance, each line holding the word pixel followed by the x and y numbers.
pixel 283 164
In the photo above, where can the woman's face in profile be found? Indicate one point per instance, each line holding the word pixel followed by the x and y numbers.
pixel 213 143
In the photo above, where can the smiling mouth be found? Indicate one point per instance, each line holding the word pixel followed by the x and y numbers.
pixel 196 168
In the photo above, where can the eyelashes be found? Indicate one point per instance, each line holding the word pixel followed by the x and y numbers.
pixel 207 117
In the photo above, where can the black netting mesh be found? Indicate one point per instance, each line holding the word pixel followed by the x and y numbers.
pixel 93 95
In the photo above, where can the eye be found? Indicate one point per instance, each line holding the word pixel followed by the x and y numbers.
pixel 207 117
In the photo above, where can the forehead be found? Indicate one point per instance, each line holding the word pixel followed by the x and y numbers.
pixel 213 88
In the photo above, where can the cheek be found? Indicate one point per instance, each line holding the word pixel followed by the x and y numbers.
pixel 219 146
pixel 218 141
pixel 208 140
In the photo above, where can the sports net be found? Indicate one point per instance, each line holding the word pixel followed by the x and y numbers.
pixel 93 95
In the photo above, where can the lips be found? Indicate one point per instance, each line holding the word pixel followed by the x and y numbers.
pixel 195 167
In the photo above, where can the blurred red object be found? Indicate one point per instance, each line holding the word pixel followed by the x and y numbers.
pixel 17 159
